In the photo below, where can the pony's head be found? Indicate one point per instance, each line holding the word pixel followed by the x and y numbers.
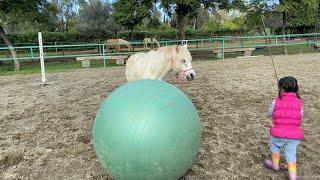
pixel 182 63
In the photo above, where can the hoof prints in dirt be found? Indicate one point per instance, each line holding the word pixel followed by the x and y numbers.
pixel 45 133
pixel 10 160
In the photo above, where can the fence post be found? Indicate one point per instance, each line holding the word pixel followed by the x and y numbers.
pixel 103 54
pixel 55 44
pixel 31 52
pixel 99 50
pixel 43 75
pixel 222 49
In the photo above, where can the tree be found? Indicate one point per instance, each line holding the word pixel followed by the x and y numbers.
pixel 22 14
pixel 293 10
pixel 257 12
pixel 67 13
pixel 194 19
pixel 12 50
pixel 167 13
pixel 305 15
pixel 48 19
pixel 184 8
pixel 130 13
pixel 14 12
pixel 284 7
pixel 317 17
pixel 201 18
pixel 153 21
pixel 95 18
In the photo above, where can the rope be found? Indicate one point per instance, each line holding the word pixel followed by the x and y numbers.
pixel 270 53
pixel 261 146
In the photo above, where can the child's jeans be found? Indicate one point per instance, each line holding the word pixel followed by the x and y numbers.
pixel 289 145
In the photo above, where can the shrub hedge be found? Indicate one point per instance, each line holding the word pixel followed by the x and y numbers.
pixel 67 37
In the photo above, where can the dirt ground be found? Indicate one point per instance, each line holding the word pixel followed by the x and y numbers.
pixel 45 132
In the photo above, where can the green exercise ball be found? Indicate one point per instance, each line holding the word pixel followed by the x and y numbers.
pixel 146 129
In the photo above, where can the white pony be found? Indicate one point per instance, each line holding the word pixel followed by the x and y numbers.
pixel 147 41
pixel 157 64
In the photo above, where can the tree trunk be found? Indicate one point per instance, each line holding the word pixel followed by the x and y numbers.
pixel 181 33
pixel 195 25
pixel 12 50
pixel 318 22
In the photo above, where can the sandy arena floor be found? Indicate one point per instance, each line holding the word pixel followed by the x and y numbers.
pixel 45 132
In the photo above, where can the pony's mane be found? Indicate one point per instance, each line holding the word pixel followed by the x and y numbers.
pixel 168 49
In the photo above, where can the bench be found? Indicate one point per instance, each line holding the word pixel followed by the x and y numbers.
pixel 120 60
pixel 246 52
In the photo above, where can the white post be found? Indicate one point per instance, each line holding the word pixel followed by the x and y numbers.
pixel 184 42
pixel 43 75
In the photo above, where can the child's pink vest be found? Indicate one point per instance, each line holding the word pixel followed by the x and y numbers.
pixel 287 117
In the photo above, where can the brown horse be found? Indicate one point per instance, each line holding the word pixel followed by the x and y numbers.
pixel 147 41
pixel 118 44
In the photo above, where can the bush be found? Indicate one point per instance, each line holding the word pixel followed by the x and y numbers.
pixel 160 34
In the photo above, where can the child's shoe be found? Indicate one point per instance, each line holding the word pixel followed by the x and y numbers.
pixel 292 176
pixel 270 165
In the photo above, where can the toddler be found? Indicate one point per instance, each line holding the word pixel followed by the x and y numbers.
pixel 287 113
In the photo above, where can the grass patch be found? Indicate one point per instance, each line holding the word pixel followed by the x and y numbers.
pixel 297 49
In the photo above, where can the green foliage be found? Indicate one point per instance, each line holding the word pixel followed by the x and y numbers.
pixel 304 13
pixel 30 14
pixel 228 25
pixel 129 13
pixel 162 33
pixel 153 21
pixel 96 18
pixel 52 37
pixel 210 26
pixel 182 9
pixel 202 17
pixel 67 14
pixel 298 13
pixel 191 8
pixel 190 32
pixel 98 21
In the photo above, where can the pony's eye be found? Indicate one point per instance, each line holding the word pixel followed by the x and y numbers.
pixel 183 61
